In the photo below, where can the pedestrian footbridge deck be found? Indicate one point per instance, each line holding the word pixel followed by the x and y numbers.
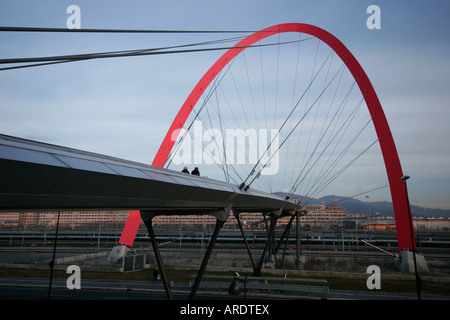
pixel 39 176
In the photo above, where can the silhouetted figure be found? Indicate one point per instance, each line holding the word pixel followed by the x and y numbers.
pixel 155 274
pixel 195 172
pixel 185 170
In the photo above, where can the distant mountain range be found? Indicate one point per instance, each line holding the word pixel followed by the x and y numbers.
pixel 379 208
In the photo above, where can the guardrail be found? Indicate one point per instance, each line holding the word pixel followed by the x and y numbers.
pixel 264 285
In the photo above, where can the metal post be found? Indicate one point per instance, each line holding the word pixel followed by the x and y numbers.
pixel 198 279
pixel 147 218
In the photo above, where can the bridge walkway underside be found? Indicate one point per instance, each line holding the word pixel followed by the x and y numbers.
pixel 42 177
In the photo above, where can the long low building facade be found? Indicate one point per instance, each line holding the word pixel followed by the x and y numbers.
pixel 317 215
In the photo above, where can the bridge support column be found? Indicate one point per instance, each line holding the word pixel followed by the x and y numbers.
pixel 147 218
pixel 219 223
pixel 257 270
pixel 298 260
pixel 272 247
pixel 236 215
pixel 284 240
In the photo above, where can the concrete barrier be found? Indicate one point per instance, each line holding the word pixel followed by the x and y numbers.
pixel 406 262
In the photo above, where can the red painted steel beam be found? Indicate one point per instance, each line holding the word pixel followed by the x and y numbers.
pixel 388 148
pixel 131 228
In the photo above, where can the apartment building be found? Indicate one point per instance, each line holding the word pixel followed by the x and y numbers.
pixel 318 216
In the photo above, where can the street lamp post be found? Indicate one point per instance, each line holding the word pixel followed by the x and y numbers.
pixel 404 178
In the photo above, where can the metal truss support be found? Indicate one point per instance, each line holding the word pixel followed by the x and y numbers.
pixel 285 233
pixel 271 245
pixel 147 218
pixel 198 279
pixel 297 247
pixel 271 238
pixel 221 216
pixel 284 238
pixel 236 215
pixel 257 270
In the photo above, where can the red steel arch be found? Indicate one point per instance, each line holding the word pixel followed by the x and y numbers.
pixel 405 234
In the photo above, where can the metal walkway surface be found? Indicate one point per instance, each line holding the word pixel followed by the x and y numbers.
pixel 39 176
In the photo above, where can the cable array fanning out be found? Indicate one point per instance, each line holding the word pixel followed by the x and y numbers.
pixel 308 131
pixel 43 61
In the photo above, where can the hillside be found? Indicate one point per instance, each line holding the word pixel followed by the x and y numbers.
pixel 380 208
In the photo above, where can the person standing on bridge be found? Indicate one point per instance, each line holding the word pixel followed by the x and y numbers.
pixel 185 170
pixel 195 172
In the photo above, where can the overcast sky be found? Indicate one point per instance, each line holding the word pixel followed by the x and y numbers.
pixel 123 107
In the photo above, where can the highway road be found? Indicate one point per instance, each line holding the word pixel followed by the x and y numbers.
pixel 37 289
pixel 28 297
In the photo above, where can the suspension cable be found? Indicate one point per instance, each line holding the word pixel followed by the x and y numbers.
pixel 66 30
pixel 289 134
pixel 347 122
pixel 337 174
pixel 357 195
pixel 116 54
